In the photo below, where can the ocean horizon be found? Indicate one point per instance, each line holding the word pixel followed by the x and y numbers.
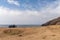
pixel 18 26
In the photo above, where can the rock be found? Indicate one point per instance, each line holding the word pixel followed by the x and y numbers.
pixel 55 21
pixel 12 26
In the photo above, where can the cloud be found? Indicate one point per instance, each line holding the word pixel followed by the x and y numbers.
pixel 52 8
pixel 27 16
pixel 13 2
pixel 4 11
pixel 8 16
pixel 50 11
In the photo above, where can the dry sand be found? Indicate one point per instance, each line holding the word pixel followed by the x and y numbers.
pixel 37 33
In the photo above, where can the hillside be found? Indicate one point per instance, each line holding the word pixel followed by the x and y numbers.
pixel 55 21
pixel 36 33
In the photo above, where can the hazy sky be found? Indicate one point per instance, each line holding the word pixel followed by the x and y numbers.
pixel 28 11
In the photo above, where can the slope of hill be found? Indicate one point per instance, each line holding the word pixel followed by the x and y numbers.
pixel 55 21
pixel 36 33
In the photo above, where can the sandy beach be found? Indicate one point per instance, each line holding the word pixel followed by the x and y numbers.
pixel 35 33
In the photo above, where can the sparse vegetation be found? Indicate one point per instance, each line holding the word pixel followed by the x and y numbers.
pixel 20 35
pixel 13 32
pixel 39 33
pixel 44 37
pixel 53 35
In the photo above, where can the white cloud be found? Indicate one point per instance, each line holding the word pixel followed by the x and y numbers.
pixel 13 2
pixel 8 16
pixel 4 11
pixel 53 8
pixel 51 11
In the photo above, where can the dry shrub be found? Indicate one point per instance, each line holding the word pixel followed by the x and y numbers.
pixel 13 32
pixel 44 37
pixel 53 35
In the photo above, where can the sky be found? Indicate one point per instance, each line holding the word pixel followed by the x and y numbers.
pixel 28 12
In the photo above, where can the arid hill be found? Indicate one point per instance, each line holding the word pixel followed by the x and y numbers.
pixel 55 21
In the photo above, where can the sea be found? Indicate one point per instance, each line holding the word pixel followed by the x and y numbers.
pixel 19 26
